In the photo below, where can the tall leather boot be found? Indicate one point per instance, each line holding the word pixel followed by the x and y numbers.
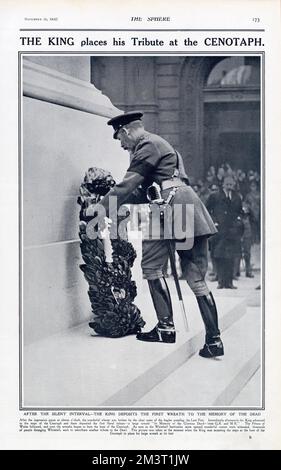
pixel 213 346
pixel 164 331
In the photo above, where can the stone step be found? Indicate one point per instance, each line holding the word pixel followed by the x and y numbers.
pixel 250 391
pixel 215 382
pixel 75 369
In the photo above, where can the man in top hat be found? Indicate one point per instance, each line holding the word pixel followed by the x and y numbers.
pixel 154 160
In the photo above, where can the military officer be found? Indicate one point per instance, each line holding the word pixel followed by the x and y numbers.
pixel 154 160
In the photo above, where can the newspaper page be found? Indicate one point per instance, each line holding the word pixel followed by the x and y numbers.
pixel 125 342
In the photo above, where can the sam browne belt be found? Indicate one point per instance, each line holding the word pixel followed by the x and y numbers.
pixel 172 183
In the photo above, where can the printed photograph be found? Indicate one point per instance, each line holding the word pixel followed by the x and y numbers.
pixel 141 231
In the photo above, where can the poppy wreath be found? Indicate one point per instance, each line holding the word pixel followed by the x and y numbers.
pixel 111 288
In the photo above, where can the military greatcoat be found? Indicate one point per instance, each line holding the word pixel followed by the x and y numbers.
pixel 154 160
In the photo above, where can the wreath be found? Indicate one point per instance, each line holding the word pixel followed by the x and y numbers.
pixel 111 288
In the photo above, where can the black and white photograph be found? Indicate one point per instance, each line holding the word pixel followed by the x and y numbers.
pixel 141 231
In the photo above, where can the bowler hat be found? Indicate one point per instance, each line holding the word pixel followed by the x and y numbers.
pixel 122 119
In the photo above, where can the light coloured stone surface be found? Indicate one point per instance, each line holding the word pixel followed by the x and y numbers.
pixel 201 382
pixel 75 66
pixel 91 371
pixel 252 390
pixel 59 145
pixel 47 84
pixel 55 296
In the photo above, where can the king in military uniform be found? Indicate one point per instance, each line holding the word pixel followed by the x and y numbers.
pixel 154 160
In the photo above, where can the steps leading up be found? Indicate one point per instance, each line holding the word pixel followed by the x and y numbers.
pixel 251 391
pixel 214 382
pixel 74 369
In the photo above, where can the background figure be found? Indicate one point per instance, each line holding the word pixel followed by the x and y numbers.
pixel 237 264
pixel 226 209
pixel 196 188
pixel 247 239
pixel 253 201
pixel 213 189
pixel 242 183
pixel 220 177
pixel 204 192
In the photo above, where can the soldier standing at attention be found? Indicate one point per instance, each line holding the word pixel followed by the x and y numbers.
pixel 154 160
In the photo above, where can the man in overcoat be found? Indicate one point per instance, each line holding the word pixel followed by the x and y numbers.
pixel 154 160
pixel 225 208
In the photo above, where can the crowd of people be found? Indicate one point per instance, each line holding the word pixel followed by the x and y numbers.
pixel 233 200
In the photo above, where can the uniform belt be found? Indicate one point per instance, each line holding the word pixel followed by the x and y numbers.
pixel 172 183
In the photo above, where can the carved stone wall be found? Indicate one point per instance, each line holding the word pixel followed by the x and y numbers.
pixel 193 74
pixel 130 84
pixel 168 98
pixel 232 133
pixel 172 92
pixel 64 133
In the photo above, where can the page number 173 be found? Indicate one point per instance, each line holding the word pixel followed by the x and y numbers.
pixel 256 20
